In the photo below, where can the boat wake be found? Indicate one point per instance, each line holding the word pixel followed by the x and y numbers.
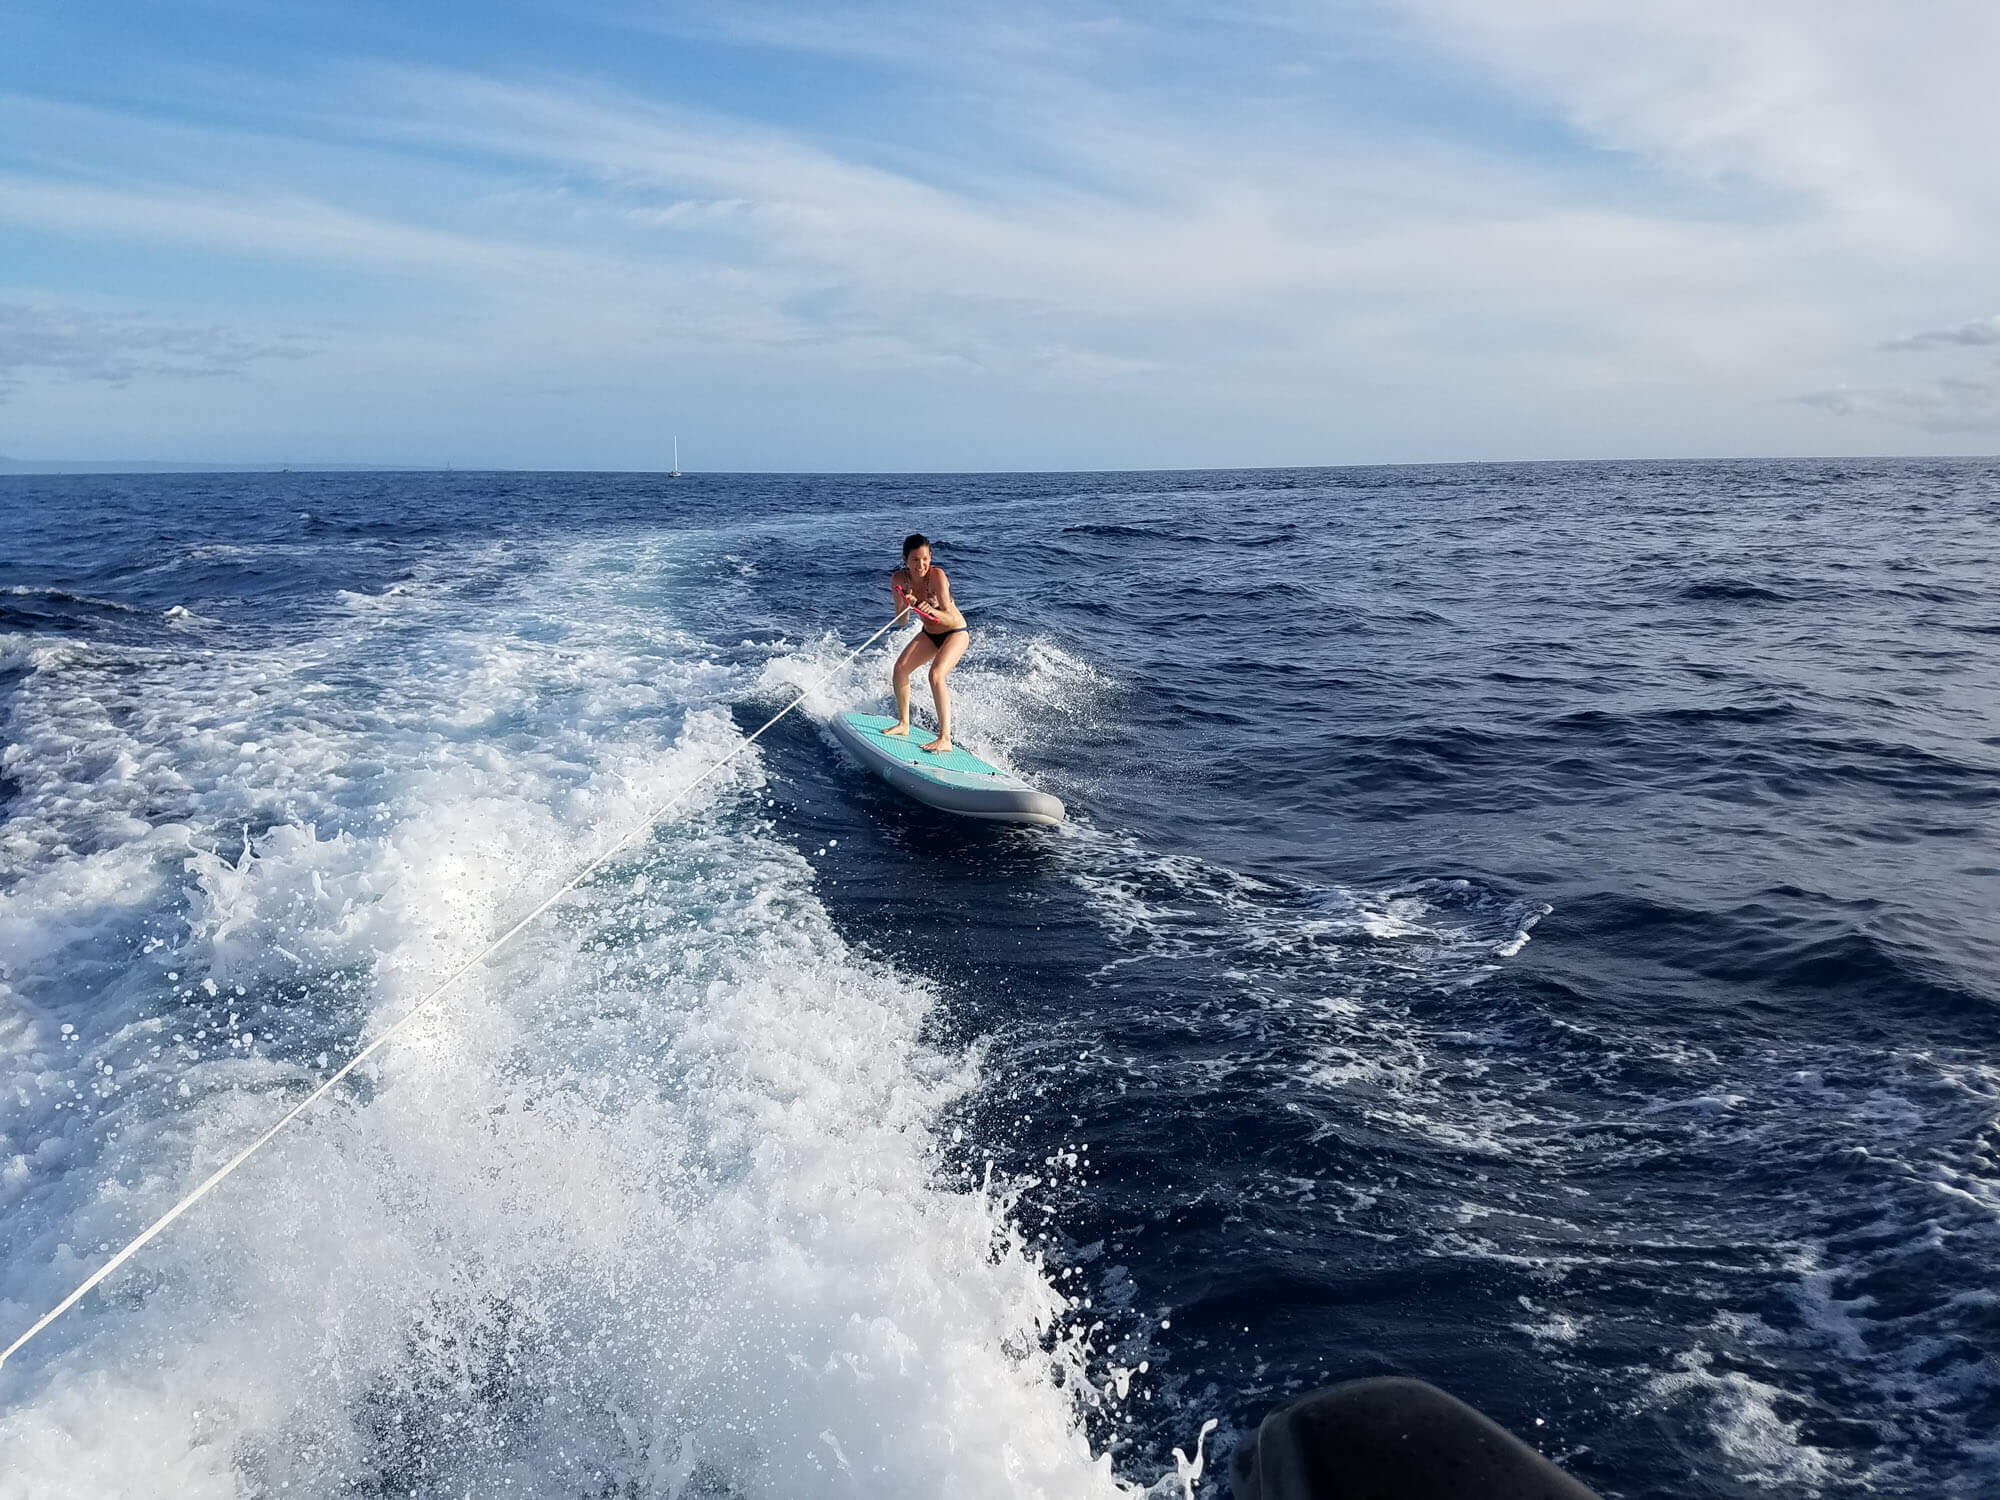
pixel 654 1202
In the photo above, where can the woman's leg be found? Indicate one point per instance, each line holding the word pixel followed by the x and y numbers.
pixel 920 650
pixel 947 657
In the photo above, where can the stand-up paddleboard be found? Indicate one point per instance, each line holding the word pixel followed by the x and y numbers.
pixel 955 782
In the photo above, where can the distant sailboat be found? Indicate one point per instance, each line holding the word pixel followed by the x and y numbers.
pixel 675 472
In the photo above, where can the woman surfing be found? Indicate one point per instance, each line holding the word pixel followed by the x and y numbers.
pixel 921 588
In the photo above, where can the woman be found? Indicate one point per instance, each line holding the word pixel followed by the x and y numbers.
pixel 920 586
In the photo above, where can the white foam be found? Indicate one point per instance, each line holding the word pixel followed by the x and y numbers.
pixel 653 1202
pixel 1742 1412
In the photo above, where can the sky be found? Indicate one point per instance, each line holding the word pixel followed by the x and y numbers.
pixel 952 235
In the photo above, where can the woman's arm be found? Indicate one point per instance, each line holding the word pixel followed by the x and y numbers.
pixel 943 610
pixel 903 598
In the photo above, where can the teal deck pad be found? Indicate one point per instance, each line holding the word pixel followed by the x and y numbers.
pixel 908 749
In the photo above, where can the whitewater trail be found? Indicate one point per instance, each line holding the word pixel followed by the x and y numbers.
pixel 655 1199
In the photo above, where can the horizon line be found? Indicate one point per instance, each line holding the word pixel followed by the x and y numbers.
pixel 86 468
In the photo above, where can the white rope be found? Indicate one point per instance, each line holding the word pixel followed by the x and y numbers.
pixel 209 1184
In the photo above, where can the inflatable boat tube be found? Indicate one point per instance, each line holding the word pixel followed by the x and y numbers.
pixel 1391 1438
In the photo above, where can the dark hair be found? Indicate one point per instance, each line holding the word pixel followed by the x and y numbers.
pixel 913 541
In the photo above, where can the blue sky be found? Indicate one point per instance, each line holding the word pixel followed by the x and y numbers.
pixel 967 236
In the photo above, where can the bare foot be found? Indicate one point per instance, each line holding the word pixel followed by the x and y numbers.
pixel 897 729
pixel 938 746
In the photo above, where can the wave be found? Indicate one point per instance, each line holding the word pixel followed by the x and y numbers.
pixel 1785 940
pixel 1094 529
pixel 65 597
pixel 1734 591
pixel 58 612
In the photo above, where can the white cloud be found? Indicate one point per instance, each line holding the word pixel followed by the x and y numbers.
pixel 1982 333
pixel 1058 231
pixel 1952 404
pixel 1875 116
pixel 70 344
pixel 1965 402
pixel 729 232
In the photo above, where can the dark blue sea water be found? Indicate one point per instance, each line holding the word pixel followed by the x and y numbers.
pixel 1529 926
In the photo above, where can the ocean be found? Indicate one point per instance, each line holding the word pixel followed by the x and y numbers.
pixel 1529 926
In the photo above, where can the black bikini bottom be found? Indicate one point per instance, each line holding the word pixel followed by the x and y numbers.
pixel 938 638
